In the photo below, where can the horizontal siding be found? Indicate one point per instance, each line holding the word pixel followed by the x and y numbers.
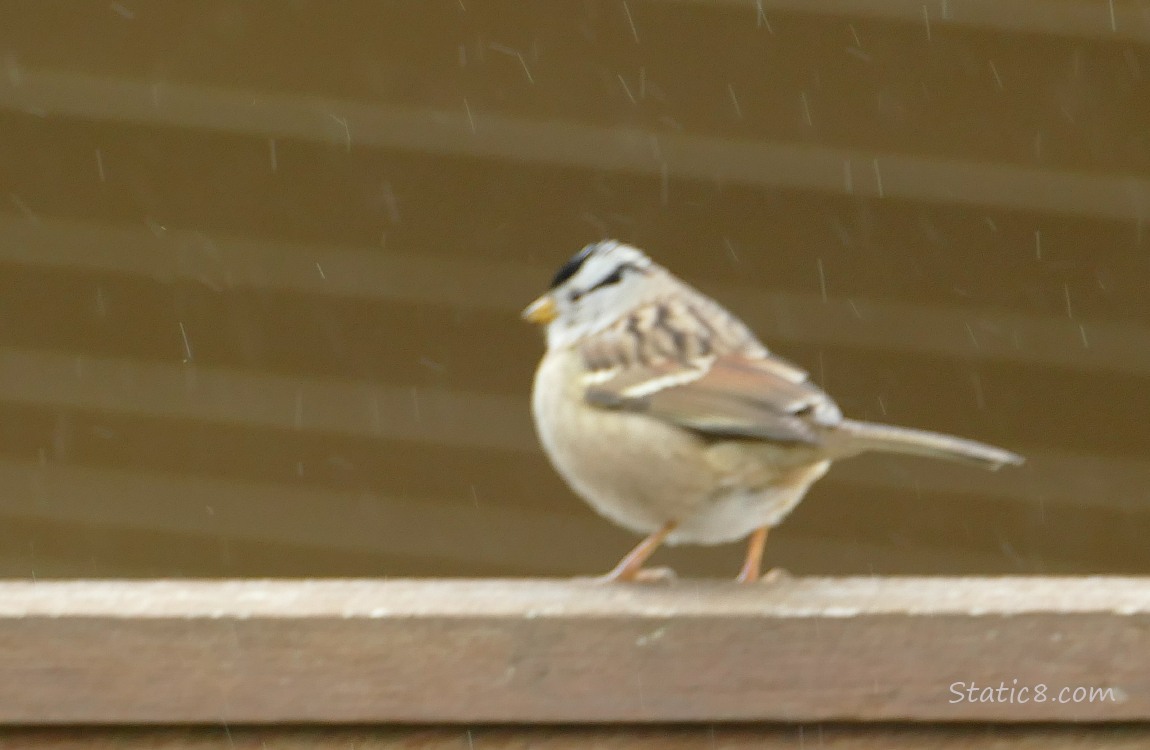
pixel 268 261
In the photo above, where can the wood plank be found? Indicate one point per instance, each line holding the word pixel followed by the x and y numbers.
pixel 220 261
pixel 334 520
pixel 1113 21
pixel 434 416
pixel 770 737
pixel 558 651
pixel 662 155
pixel 233 396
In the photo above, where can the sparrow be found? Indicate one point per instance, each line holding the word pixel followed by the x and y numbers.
pixel 664 412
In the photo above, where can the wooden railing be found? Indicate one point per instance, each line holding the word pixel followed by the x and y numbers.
pixel 529 652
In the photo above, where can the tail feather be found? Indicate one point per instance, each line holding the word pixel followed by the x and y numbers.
pixel 857 437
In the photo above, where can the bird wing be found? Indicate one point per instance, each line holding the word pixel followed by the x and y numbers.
pixel 731 396
pixel 680 365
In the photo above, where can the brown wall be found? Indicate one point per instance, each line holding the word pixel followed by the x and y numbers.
pixel 260 265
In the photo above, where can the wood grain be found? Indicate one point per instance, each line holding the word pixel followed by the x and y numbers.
pixel 764 737
pixel 872 649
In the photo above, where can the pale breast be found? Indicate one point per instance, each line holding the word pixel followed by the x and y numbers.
pixel 635 470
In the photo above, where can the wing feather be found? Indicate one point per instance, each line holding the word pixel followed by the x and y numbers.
pixel 689 375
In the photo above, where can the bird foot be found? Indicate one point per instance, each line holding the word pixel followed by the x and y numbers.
pixel 776 575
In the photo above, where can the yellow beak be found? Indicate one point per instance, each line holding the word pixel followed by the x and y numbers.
pixel 541 312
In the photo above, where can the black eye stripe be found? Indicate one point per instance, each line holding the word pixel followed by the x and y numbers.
pixel 615 276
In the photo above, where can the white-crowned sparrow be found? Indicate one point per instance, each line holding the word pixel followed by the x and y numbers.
pixel 665 413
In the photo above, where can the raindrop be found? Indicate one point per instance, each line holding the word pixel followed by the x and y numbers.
pixel 735 101
pixel 631 21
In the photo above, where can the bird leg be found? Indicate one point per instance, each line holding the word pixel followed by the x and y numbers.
pixel 754 561
pixel 630 568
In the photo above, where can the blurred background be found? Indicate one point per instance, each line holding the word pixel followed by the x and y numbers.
pixel 261 265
